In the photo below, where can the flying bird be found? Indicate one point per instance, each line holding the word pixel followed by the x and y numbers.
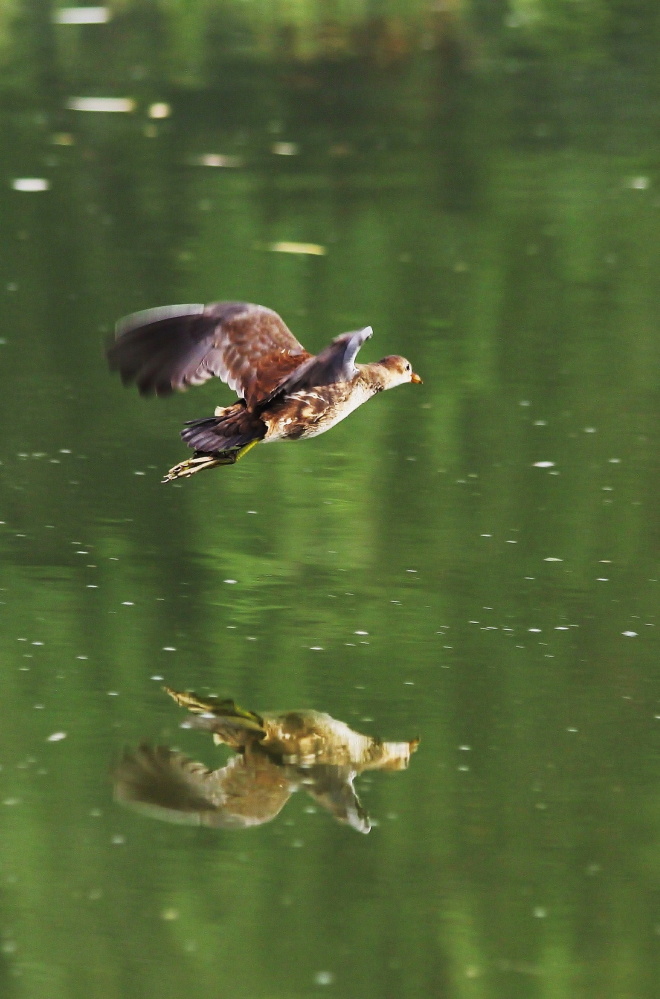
pixel 284 392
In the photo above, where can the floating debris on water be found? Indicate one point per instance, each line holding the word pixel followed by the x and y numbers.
pixel 160 109
pixel 82 15
pixel 311 249
pixel 56 737
pixel 285 148
pixel 113 105
pixel 30 184
pixel 216 160
pixel 544 464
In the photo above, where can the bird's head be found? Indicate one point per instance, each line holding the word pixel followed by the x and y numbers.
pixel 397 371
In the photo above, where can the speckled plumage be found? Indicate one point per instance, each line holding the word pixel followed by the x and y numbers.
pixel 285 393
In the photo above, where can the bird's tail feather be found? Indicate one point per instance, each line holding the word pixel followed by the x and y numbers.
pixel 232 427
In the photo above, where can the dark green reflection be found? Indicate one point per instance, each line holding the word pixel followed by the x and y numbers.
pixel 277 754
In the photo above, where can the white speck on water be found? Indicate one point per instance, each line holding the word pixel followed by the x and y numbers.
pixel 485 535
pixel 539 912
pixel 524 402
pixel 360 632
pixel 590 430
pixel 465 749
pixel 127 603
pixel 81 15
pixel 92 586
pixel 511 541
pixel 629 634
pixel 411 570
pixel 37 643
pixel 56 737
pixel 251 511
pixel 550 558
pixel 544 464
pixel 573 730
pixel 139 473
pixel 30 184
pixel 118 840
pixel 602 579
pixel 284 148
pixel 39 707
pixel 169 648
pixel 540 423
pixel 105 104
pixel 561 627
pixel 11 801
pixel 82 657
pixel 637 183
pixel 536 630
pixel 324 978
pixel 614 461
pixel 113 693
pixel 159 679
pixel 160 109
pixel 316 648
pixel 230 582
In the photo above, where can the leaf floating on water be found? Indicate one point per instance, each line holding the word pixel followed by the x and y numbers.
pixel 311 249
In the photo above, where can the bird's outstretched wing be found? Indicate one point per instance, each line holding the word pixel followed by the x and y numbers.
pixel 336 363
pixel 248 346
pixel 332 787
pixel 166 784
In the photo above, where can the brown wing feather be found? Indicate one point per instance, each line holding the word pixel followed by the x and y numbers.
pixel 248 346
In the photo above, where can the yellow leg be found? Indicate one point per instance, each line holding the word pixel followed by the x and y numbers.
pixel 201 461
pixel 242 451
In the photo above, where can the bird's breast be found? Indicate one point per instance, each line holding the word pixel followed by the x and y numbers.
pixel 310 412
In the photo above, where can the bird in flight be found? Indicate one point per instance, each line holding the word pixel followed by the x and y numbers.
pixel 285 393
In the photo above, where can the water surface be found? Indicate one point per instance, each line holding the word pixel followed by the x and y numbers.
pixel 472 561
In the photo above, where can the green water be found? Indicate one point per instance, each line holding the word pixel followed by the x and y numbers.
pixel 472 561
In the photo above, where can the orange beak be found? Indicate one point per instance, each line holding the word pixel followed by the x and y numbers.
pixel 416 379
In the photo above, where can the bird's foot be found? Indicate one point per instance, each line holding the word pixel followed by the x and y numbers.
pixel 201 461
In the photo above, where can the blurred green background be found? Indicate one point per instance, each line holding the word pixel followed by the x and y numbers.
pixel 474 560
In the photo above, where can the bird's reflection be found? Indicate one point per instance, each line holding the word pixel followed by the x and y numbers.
pixel 277 753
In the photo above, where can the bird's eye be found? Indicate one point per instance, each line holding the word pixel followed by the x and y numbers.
pixel 408 367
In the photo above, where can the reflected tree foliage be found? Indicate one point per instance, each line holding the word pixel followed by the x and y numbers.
pixel 277 754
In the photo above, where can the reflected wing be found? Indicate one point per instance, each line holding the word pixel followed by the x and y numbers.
pixel 333 788
pixel 248 346
pixel 334 364
pixel 166 784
